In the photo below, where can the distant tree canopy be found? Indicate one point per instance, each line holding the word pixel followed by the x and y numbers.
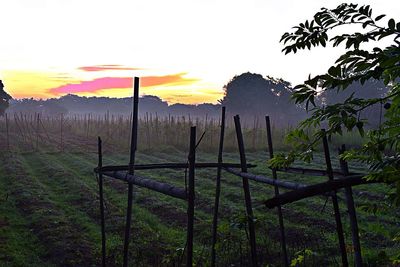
pixel 371 89
pixel 49 107
pixel 252 94
pixel 73 104
pixel 4 98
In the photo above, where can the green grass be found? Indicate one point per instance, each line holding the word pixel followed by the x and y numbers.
pixel 18 245
pixel 49 214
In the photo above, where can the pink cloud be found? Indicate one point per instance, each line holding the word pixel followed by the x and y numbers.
pixel 106 67
pixel 94 85
pixel 121 82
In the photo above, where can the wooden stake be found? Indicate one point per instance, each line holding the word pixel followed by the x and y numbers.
pixel 339 227
pixel 352 213
pixel 279 209
pixel 131 168
pixel 217 188
pixel 247 197
pixel 103 232
pixel 191 197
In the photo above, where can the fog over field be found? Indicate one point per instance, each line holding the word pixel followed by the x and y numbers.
pixel 250 95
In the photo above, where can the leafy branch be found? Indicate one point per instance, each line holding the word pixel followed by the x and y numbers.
pixel 381 148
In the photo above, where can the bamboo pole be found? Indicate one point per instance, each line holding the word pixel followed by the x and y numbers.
pixel 279 209
pixel 217 188
pixel 352 213
pixel 170 166
pixel 265 180
pixel 25 128
pixel 249 210
pixel 88 126
pixel 148 183
pixel 103 233
pixel 191 197
pixel 339 227
pixel 17 119
pixel 315 190
pixel 131 169
pixel 44 130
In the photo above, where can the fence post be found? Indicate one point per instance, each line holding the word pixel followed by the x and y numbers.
pixel 246 190
pixel 131 168
pixel 218 188
pixel 103 232
pixel 352 213
pixel 279 209
pixel 339 227
pixel 191 197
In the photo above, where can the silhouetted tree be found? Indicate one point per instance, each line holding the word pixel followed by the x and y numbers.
pixel 4 98
pixel 251 94
pixel 73 104
pixel 381 147
pixel 48 107
pixel 372 88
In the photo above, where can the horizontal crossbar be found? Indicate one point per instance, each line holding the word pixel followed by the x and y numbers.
pixel 148 183
pixel 316 189
pixel 169 166
pixel 266 180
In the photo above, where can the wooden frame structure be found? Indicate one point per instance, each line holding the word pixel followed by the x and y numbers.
pixel 336 181
pixel 300 191
pixel 127 174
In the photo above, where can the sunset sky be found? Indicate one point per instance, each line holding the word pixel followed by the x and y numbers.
pixel 184 50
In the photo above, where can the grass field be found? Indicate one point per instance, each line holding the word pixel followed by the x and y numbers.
pixel 49 215
pixel 49 210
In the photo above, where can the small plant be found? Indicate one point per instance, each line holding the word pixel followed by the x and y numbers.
pixel 300 257
pixel 174 257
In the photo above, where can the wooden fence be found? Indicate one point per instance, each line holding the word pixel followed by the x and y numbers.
pixel 336 180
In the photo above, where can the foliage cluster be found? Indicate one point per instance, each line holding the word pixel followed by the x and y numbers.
pixel 381 149
pixel 4 98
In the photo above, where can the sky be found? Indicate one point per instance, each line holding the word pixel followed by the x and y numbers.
pixel 184 51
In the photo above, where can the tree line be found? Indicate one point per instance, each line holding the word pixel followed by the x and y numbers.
pixel 248 94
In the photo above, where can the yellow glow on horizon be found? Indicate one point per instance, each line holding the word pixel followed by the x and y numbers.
pixel 28 84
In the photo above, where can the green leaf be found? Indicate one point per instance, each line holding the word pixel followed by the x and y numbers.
pixel 379 17
pixel 322 40
pixel 365 24
pixel 360 127
pixel 391 24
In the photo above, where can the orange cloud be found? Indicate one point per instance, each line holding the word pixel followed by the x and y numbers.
pixel 106 67
pixel 98 84
pixel 174 79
